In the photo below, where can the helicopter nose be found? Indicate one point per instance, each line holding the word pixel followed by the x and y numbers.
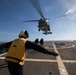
pixel 44 29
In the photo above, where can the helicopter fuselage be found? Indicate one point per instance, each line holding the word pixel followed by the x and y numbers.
pixel 44 26
pixel 43 23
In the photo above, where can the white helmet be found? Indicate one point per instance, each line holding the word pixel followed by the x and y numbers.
pixel 24 34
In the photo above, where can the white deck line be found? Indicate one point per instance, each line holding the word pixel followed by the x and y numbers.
pixel 45 60
pixel 69 61
pixel 61 66
pixel 48 60
pixel 60 48
pixel 3 54
pixel 41 60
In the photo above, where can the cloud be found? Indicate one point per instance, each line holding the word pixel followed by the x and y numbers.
pixel 73 10
pixel 69 4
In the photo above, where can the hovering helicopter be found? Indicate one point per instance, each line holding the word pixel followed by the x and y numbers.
pixel 43 23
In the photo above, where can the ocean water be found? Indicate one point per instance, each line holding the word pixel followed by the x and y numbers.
pixel 3 50
pixel 2 42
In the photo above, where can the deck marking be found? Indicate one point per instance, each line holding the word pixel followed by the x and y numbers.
pixel 41 60
pixel 61 65
pixel 45 60
pixel 3 54
pixel 61 47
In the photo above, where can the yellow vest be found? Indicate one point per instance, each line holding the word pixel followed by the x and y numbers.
pixel 17 51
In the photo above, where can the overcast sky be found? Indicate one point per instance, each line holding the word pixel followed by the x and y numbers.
pixel 14 12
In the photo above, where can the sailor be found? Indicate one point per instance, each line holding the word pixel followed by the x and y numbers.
pixel 36 41
pixel 17 52
pixel 41 41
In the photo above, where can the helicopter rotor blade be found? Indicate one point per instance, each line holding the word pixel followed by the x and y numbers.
pixel 31 21
pixel 36 5
pixel 63 15
pixel 59 16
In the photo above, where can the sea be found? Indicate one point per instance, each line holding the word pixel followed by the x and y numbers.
pixel 50 41
pixel 3 50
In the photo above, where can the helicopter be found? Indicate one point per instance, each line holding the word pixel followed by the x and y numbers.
pixel 43 23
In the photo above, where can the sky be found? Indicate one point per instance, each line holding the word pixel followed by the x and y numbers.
pixel 14 12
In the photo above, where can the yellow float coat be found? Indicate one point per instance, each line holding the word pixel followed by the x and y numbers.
pixel 17 51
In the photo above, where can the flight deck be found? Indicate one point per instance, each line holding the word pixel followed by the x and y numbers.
pixel 38 63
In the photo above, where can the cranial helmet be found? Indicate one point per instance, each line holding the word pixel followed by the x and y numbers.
pixel 24 34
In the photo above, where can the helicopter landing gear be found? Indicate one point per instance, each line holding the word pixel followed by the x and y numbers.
pixel 38 29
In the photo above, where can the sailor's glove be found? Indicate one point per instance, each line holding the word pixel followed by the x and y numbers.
pixel 53 53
